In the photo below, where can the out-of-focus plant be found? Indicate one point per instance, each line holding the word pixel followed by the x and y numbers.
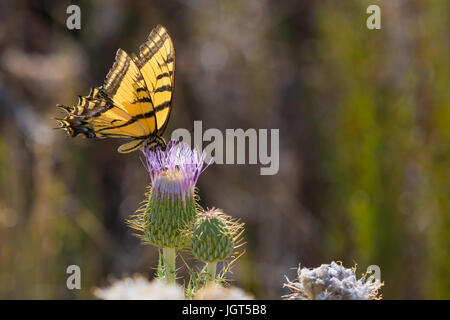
pixel 139 288
pixel 171 218
pixel 332 282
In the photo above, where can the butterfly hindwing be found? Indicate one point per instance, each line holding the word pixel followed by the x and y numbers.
pixel 93 113
pixel 131 145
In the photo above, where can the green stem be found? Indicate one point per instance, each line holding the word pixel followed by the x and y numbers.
pixel 211 270
pixel 169 256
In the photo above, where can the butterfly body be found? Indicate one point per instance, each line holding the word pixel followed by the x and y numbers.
pixel 135 100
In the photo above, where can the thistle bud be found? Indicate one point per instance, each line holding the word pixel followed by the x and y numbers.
pixel 214 236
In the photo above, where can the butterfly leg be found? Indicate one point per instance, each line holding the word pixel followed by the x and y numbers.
pixel 155 142
pixel 161 142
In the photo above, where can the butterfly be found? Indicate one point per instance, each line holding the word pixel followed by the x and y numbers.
pixel 134 101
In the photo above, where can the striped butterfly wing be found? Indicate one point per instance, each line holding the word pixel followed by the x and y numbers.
pixel 135 100
pixel 96 115
pixel 121 108
pixel 127 89
pixel 156 62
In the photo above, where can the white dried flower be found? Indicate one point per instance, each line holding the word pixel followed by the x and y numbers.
pixel 139 288
pixel 218 292
pixel 331 282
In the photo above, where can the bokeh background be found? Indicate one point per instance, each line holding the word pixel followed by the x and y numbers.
pixel 364 119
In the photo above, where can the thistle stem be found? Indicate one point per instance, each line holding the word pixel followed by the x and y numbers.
pixel 169 256
pixel 211 270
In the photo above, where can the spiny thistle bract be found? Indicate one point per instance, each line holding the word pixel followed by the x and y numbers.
pixel 166 217
pixel 215 236
pixel 170 211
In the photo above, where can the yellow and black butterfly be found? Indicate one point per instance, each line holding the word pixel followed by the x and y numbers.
pixel 135 100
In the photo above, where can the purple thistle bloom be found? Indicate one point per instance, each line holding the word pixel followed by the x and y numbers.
pixel 175 170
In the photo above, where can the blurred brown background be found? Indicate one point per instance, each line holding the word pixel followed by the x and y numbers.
pixel 364 119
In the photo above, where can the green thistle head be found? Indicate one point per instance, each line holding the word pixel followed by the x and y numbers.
pixel 169 214
pixel 215 236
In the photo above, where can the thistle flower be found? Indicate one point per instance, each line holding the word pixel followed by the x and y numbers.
pixel 166 218
pixel 214 238
pixel 331 282
pixel 177 158
pixel 171 207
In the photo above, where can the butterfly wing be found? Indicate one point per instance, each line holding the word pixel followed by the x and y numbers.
pixel 93 113
pixel 135 99
pixel 122 108
pixel 156 62
pixel 126 87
